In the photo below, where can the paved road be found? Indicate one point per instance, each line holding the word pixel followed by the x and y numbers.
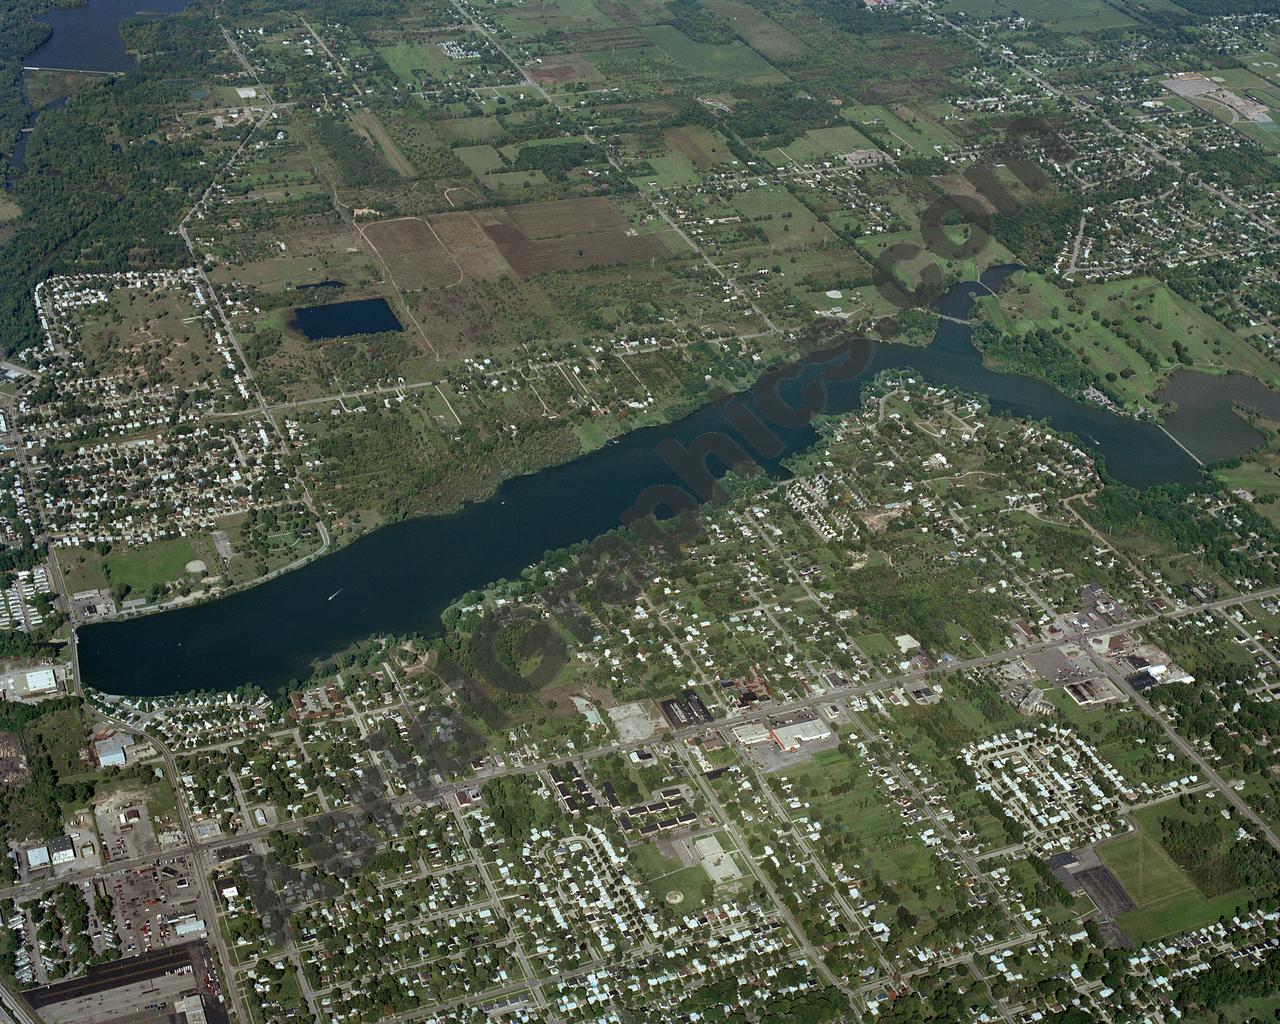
pixel 1128 135
pixel 14 1010
pixel 1184 745
pixel 757 714
pixel 731 829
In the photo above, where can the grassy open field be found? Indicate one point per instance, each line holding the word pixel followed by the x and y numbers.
pixel 908 128
pixel 759 31
pixel 1259 475
pixel 1168 900
pixel 156 563
pixel 702 147
pixel 1075 16
pixel 469 129
pixel 715 60
pixel 409 60
pixel 670 883
pixel 786 222
pixel 530 20
pixel 1152 316
pixel 1145 870
pixel 670 170
pixel 819 144
pixel 480 160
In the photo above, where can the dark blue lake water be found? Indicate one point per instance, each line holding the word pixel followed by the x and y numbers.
pixel 88 38
pixel 340 319
pixel 400 578
pixel 1205 419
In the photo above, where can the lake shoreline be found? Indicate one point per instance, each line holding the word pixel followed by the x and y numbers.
pixel 399 578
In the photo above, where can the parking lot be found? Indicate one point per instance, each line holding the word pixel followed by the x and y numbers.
pixel 148 902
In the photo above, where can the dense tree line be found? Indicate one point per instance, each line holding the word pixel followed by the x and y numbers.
pixel 1216 862
pixel 779 114
pixel 100 192
pixel 1034 353
pixel 1239 167
pixel 517 810
pixel 1172 515
pixel 1228 981
pixel 558 159
pixel 700 24
pixel 360 163
pixel 1037 229
pixel 1034 232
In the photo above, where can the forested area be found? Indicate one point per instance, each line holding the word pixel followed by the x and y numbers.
pixel 779 115
pixel 556 161
pixel 1176 515
pixel 1034 232
pixel 359 162
pixel 101 190
pixel 517 809
pixel 1205 850
pixel 36 808
pixel 1034 353
pixel 22 34
pixel 699 23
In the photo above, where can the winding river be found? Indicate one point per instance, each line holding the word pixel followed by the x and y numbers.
pixel 400 578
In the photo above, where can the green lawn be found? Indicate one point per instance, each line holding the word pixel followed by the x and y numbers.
pixel 1145 870
pixel 820 144
pixel 1168 901
pixel 877 645
pixel 917 138
pixel 1154 317
pixel 160 562
pixel 480 159
pixel 665 876
pixel 670 170
pixel 725 60
pixel 408 60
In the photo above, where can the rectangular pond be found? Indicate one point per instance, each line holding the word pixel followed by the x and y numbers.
pixel 341 319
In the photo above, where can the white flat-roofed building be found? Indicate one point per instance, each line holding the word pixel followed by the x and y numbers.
pixel 792 736
pixel 751 734
pixel 24 683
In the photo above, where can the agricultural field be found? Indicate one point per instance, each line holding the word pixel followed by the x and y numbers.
pixel 935 678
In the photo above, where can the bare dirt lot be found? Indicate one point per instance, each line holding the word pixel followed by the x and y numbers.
pixel 568 235
pixel 565 67
pixel 568 216
pixel 448 248
pixel 1106 891
pixel 415 255
pixel 466 240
